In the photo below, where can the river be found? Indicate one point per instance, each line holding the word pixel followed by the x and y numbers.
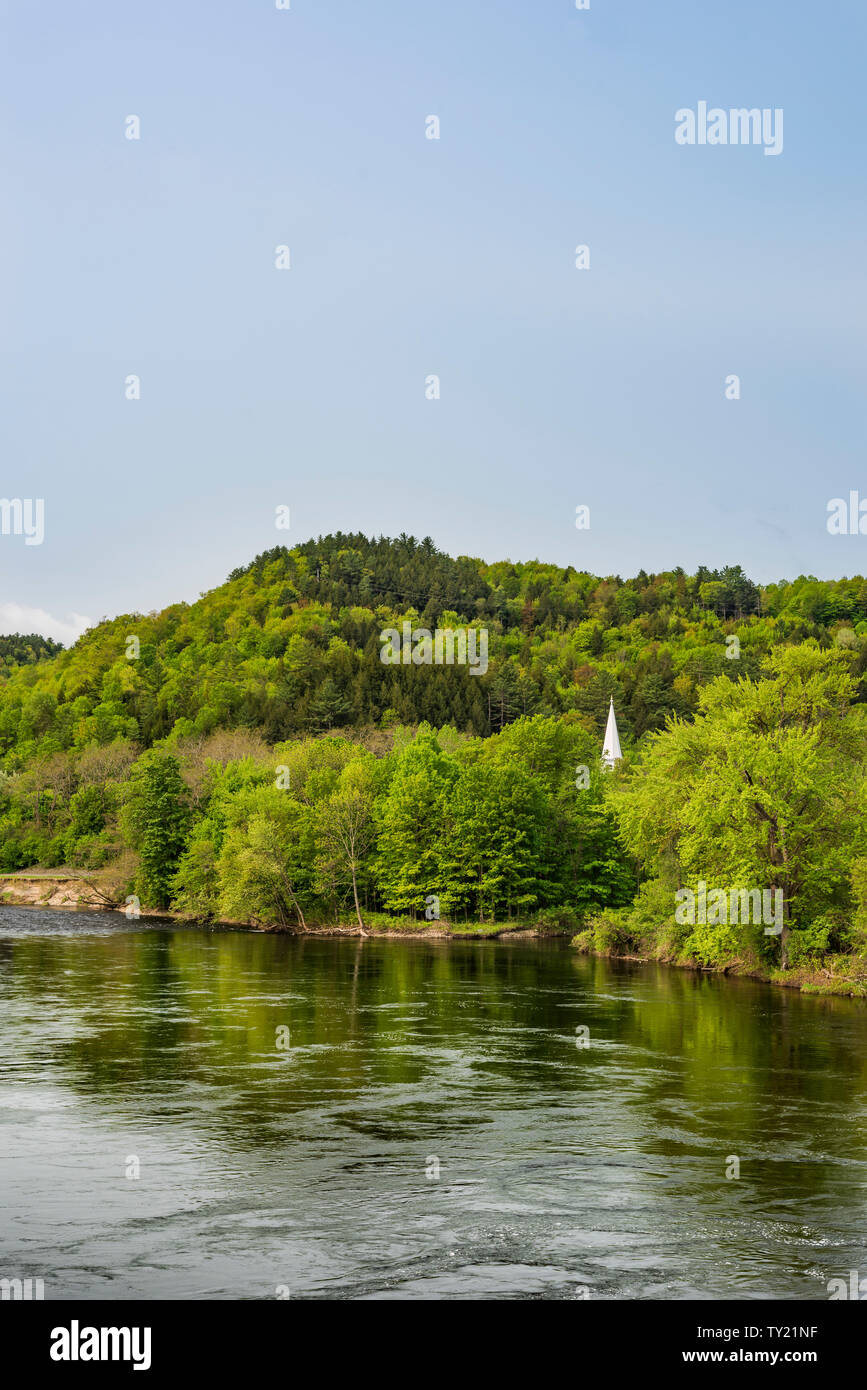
pixel 429 1123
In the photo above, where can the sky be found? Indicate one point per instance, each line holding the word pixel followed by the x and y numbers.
pixel 307 388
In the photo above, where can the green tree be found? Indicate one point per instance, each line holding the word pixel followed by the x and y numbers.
pixel 346 831
pixel 581 862
pixel 265 867
pixel 155 820
pixel 411 820
pixel 762 791
pixel 496 829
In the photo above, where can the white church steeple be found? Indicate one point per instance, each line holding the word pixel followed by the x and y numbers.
pixel 611 753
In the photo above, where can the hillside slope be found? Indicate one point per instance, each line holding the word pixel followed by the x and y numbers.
pixel 290 644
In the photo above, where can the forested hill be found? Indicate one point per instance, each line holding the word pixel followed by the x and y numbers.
pixel 21 649
pixel 290 644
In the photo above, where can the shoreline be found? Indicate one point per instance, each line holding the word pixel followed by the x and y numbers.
pixel 804 979
pixel 69 892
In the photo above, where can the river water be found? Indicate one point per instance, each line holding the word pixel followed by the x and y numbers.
pixel 429 1123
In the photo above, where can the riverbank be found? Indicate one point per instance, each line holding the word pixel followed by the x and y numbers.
pixel 73 892
pixel 838 975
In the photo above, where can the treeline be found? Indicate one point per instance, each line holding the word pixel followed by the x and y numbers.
pixel 290 646
pixel 20 649
pixel 424 825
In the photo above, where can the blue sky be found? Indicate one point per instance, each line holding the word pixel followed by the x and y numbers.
pixel 409 257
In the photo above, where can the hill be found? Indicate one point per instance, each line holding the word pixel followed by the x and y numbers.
pixel 251 757
pixel 290 644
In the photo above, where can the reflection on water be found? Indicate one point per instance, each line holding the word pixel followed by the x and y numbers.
pixel 311 1169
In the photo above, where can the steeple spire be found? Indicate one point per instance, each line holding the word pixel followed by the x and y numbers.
pixel 611 753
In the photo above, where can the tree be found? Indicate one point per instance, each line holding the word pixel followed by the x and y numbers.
pixel 411 819
pixel 762 791
pixel 265 868
pixel 329 708
pixel 347 831
pixel 581 862
pixel 496 828
pixel 224 794
pixel 155 820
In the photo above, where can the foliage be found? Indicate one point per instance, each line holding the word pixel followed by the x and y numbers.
pixel 155 820
pixel 263 764
pixel 764 790
pixel 289 645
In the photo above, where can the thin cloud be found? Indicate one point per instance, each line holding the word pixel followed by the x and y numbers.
pixel 16 617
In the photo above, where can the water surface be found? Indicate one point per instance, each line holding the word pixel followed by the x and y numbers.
pixel 310 1171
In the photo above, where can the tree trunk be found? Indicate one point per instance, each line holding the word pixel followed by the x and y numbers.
pixel 779 857
pixel 357 907
pixel 295 903
pixel 784 934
